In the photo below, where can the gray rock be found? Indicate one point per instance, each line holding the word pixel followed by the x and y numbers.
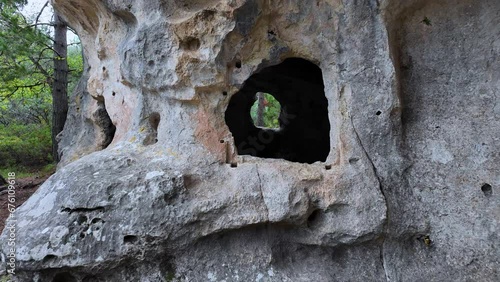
pixel 407 192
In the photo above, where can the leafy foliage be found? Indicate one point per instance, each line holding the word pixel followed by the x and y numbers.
pixel 25 145
pixel 26 77
pixel 272 109
pixel 25 50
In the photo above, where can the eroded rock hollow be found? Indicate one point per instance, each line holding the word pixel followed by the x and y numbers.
pixel 384 168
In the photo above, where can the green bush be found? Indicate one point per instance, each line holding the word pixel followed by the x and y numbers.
pixel 25 145
pixel 271 111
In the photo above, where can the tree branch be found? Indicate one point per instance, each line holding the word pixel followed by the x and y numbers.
pixel 40 13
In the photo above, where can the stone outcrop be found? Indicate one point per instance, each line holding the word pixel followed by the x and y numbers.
pixel 385 167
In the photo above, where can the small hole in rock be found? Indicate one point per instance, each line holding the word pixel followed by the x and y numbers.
pixel 353 160
pixel 224 93
pixel 221 141
pixel 114 93
pixel 82 235
pixel 130 239
pixel 487 189
pixel 427 240
pixel 96 220
pixel 238 64
pixel 103 121
pixel 49 258
pixel 190 44
pixel 103 68
pixel 378 113
pixel 328 167
pixel 154 120
pixel 81 219
pixel 167 197
pixel 234 165
pixel 313 217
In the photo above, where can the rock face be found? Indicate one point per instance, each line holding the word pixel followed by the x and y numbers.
pixel 385 167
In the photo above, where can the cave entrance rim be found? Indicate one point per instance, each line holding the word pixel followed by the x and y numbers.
pixel 303 134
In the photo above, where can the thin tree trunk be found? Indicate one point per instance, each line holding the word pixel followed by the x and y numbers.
pixel 60 83
pixel 260 109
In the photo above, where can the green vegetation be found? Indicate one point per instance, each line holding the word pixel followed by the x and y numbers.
pixel 26 81
pixel 25 145
pixel 270 109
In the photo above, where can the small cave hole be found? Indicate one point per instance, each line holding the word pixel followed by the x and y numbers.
pixel 313 218
pixel 301 132
pixel 81 219
pixel 130 239
pixel 487 189
pixel 378 113
pixel 64 277
pixel 49 258
pixel 328 167
pixel 96 220
pixel 265 112
pixel 82 235
pixel 353 160
pixel 154 120
pixel 224 93
pixel 190 44
pixel 238 64
pixel 427 240
pixel 221 141
pixel 113 93
pixel 233 165
pixel 103 121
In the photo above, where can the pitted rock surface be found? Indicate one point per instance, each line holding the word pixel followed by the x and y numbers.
pixel 385 168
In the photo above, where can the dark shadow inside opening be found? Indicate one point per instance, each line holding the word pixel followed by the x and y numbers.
pixel 304 133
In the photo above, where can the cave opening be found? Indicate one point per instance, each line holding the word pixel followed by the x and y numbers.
pixel 303 131
pixel 104 123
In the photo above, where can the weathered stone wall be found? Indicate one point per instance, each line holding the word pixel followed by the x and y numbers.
pixel 408 192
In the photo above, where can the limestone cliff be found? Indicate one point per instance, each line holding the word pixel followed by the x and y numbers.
pixel 385 168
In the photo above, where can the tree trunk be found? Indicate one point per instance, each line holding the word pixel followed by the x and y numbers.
pixel 260 109
pixel 60 83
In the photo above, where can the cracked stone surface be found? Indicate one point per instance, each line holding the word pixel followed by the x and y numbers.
pixel 151 186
